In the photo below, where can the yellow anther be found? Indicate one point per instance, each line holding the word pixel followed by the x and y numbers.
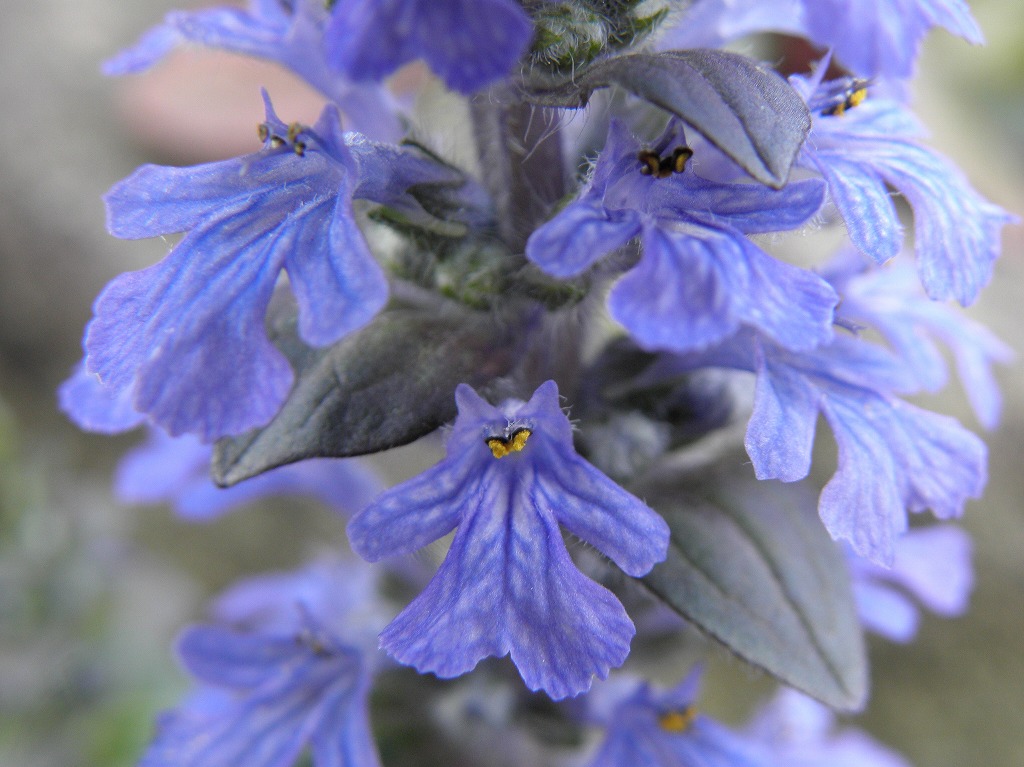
pixel 678 721
pixel 501 447
pixel 649 162
pixel 856 98
pixel 679 157
pixel 652 164
pixel 850 98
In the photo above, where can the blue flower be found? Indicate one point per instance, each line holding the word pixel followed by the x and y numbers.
pixel 800 732
pixel 932 564
pixel 186 336
pixel 507 584
pixel 871 38
pixel 893 456
pixel 469 43
pixel 699 279
pixel 891 301
pixel 177 470
pixel 293 672
pixel 646 727
pixel 859 151
pixel 290 34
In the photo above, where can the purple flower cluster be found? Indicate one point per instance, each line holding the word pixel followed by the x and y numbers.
pixel 620 262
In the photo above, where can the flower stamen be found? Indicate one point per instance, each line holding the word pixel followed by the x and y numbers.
pixel 652 164
pixel 678 720
pixel 516 441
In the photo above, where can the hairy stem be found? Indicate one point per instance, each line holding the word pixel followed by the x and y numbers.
pixel 521 159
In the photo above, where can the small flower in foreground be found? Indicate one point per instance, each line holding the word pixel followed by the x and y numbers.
pixel 699 278
pixel 293 673
pixel 177 470
pixel 932 564
pixel 646 727
pixel 186 336
pixel 800 733
pixel 290 34
pixel 861 151
pixel 508 585
pixel 469 43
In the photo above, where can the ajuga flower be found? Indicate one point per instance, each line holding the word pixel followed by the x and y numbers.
pixel 186 336
pixel 507 585
pixel 285 666
pixel 699 278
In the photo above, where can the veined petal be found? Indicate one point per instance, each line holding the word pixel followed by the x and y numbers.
pixel 411 515
pixel 629 532
pixel 894 457
pixel 681 294
pixel 344 737
pixel 508 586
pixel 780 433
pixel 186 336
pixel 749 207
pixel 944 464
pixel 266 726
pixel 861 197
pixel 190 339
pixel 957 232
pixel 226 658
pixel 578 236
pixel 338 291
pixel 695 287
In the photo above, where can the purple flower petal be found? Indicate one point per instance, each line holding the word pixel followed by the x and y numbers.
pixel 482 40
pixel 507 584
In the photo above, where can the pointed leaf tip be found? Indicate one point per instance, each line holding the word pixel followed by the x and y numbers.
pixel 751 564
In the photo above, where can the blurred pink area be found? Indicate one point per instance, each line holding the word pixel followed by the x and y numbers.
pixel 200 105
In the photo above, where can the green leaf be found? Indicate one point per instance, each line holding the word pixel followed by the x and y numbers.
pixel 751 564
pixel 383 386
pixel 742 107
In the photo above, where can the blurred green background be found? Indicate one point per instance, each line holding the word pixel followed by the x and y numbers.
pixel 92 593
